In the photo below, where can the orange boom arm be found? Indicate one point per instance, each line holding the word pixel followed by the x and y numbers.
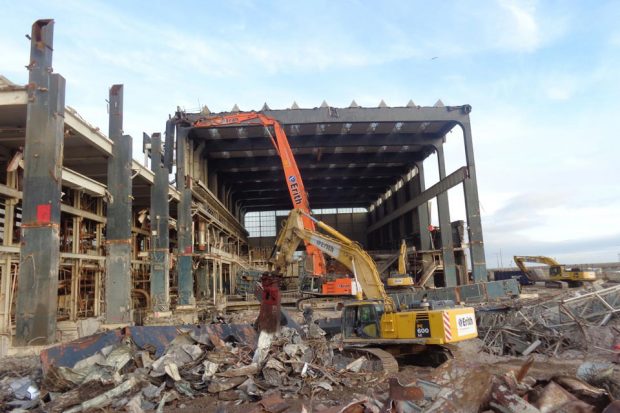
pixel 292 176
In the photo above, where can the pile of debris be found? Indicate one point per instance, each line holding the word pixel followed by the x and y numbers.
pixel 569 322
pixel 135 375
pixel 518 392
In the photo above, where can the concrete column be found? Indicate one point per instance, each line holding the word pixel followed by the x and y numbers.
pixel 424 220
pixel 472 207
pixel 37 296
pixel 447 245
pixel 160 242
pixel 118 281
pixel 184 222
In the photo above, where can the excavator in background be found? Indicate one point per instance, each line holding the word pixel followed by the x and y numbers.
pixel 373 319
pixel 299 197
pixel 402 279
pixel 559 275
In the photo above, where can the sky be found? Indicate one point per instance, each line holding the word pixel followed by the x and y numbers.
pixel 542 78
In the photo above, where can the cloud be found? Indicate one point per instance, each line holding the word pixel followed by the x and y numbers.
pixel 523 29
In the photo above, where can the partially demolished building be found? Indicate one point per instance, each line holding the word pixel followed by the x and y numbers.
pixel 89 233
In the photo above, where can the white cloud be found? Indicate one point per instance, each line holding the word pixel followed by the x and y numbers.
pixel 522 31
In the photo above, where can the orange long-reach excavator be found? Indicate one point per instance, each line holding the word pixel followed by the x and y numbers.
pixel 292 175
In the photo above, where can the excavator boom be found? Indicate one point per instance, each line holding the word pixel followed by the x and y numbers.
pixel 521 260
pixel 292 175
pixel 402 258
pixel 557 271
pixel 336 245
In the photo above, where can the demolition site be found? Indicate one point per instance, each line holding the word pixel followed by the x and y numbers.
pixel 273 260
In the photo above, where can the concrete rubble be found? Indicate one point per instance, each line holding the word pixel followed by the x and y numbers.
pixel 299 370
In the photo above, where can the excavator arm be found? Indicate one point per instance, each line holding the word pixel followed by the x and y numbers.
pixel 337 246
pixel 292 175
pixel 402 258
pixel 521 260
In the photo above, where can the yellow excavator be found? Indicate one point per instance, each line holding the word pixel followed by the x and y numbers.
pixel 373 318
pixel 559 275
pixel 400 280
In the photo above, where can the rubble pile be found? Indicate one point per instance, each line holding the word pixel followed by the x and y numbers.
pixel 295 371
pixel 572 321
pixel 125 375
pixel 515 391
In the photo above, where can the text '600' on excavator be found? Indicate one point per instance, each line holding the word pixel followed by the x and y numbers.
pixel 373 318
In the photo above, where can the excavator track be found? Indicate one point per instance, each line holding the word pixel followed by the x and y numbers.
pixel 388 363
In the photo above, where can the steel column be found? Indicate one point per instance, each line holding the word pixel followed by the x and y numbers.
pixel 37 297
pixel 118 228
pixel 160 242
pixel 184 222
pixel 443 207
pixel 424 220
pixel 472 208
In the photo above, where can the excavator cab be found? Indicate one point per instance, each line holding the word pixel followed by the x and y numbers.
pixel 362 319
pixel 555 271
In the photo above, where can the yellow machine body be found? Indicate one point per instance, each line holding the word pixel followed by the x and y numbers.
pixel 572 275
pixel 365 320
pixel 399 280
pixel 557 272
pixel 435 326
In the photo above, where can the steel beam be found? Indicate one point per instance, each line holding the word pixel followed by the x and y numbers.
pixel 344 191
pixel 442 186
pixel 118 308
pixel 449 116
pixel 445 225
pixel 336 196
pixel 339 172
pixel 37 295
pixel 329 115
pixel 472 208
pixel 160 238
pixel 184 218
pixel 424 219
pixel 281 206
pixel 328 160
pixel 278 185
pixel 413 142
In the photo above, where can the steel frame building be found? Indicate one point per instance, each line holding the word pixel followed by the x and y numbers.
pixel 90 233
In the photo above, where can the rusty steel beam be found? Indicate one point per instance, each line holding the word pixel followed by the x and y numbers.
pixel 37 296
pixel 160 238
pixel 443 185
pixel 184 220
pixel 118 228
